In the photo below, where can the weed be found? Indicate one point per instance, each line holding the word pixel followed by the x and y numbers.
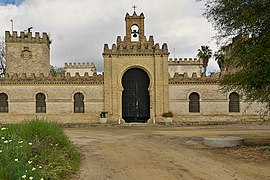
pixel 266 148
pixel 36 149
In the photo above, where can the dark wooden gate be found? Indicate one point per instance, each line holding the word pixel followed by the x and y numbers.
pixel 135 97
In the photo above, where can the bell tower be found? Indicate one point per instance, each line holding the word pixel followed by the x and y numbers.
pixel 135 28
pixel 136 75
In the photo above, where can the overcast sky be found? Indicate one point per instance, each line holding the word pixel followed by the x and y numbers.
pixel 80 28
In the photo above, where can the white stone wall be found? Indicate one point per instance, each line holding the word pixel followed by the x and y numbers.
pixel 80 71
pixel 59 103
pixel 181 69
pixel 214 105
pixel 80 68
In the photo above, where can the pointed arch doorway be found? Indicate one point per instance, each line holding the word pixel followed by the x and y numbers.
pixel 135 96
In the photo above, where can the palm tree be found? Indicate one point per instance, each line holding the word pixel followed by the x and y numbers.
pixel 220 58
pixel 205 53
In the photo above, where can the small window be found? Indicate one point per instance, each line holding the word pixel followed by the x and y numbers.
pixel 3 103
pixel 194 103
pixel 78 103
pixel 234 102
pixel 40 103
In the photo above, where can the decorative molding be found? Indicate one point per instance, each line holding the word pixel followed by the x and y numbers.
pixel 26 53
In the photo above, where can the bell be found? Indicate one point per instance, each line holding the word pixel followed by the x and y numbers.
pixel 135 35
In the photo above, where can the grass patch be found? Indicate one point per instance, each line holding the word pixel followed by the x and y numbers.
pixel 266 148
pixel 36 149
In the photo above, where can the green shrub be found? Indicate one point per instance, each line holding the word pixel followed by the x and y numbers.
pixel 266 148
pixel 167 114
pixel 37 149
pixel 103 114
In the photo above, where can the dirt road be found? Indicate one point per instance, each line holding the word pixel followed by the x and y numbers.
pixel 162 152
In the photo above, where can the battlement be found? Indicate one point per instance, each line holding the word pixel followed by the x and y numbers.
pixel 134 15
pixel 146 47
pixel 80 68
pixel 185 61
pixel 214 78
pixel 27 37
pixel 59 78
pixel 79 65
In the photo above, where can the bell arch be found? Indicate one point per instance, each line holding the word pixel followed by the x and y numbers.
pixel 135 33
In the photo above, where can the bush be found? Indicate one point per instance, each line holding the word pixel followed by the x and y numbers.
pixel 167 114
pixel 266 148
pixel 103 114
pixel 36 149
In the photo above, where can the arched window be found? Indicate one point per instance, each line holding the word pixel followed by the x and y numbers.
pixel 194 102
pixel 134 33
pixel 78 103
pixel 40 103
pixel 234 102
pixel 3 103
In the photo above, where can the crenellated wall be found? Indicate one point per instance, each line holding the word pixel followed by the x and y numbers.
pixel 185 65
pixel 214 78
pixel 59 79
pixel 80 68
pixel 59 92
pixel 124 48
pixel 27 37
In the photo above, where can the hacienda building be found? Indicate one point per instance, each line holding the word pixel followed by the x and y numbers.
pixel 139 84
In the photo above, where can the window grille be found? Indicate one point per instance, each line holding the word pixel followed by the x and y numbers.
pixel 234 102
pixel 3 103
pixel 194 102
pixel 40 103
pixel 78 103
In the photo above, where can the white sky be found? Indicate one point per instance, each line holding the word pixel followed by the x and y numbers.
pixel 80 28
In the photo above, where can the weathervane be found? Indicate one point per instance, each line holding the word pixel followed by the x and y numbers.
pixel 134 7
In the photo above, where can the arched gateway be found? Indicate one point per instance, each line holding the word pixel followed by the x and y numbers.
pixel 135 96
pixel 130 96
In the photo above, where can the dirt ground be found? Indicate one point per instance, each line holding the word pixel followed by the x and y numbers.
pixel 154 152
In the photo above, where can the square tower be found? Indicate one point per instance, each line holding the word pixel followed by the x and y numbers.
pixel 27 54
pixel 135 75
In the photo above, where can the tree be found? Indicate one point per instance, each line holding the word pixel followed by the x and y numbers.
pixel 205 53
pixel 220 58
pixel 2 57
pixel 247 22
pixel 56 70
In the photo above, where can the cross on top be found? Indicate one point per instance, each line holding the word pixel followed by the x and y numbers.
pixel 134 7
